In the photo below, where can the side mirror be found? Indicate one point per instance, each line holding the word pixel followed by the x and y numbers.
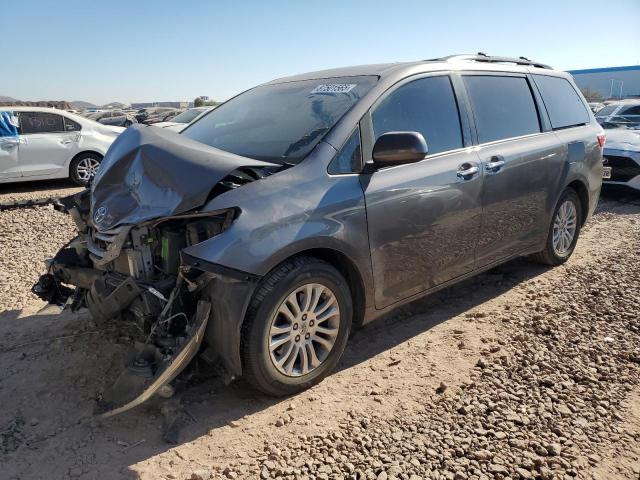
pixel 396 148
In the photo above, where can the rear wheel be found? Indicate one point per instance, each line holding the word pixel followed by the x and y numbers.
pixel 297 326
pixel 84 167
pixel 564 230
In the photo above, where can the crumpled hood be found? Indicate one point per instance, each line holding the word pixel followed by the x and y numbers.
pixel 622 139
pixel 152 172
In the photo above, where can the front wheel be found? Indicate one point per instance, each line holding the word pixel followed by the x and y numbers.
pixel 84 167
pixel 296 327
pixel 564 230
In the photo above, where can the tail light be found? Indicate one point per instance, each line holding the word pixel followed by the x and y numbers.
pixel 601 139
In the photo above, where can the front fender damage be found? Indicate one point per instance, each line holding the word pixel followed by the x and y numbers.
pixel 179 306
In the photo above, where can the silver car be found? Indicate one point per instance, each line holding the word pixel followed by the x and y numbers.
pixel 271 226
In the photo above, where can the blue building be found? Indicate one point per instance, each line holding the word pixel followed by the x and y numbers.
pixel 612 82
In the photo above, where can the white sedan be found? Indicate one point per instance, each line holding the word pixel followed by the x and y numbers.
pixel 44 143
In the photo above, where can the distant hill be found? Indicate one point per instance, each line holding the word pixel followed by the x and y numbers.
pixel 7 99
pixel 59 104
pixel 115 106
pixel 81 104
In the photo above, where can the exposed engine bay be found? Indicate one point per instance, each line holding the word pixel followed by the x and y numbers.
pixel 133 274
pixel 136 273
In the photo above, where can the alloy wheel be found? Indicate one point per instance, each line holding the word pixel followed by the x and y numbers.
pixel 304 329
pixel 564 228
pixel 87 168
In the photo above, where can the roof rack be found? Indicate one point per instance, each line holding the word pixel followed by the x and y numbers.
pixel 483 57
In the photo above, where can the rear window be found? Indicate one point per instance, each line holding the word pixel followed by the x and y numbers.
pixel 563 104
pixel 503 107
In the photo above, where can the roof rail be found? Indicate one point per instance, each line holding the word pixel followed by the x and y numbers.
pixel 483 57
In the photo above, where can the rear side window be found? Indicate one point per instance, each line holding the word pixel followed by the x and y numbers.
pixel 40 122
pixel 563 104
pixel 503 107
pixel 428 106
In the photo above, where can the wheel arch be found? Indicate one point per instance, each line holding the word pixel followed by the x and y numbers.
pixel 583 194
pixel 79 154
pixel 349 270
pixel 231 298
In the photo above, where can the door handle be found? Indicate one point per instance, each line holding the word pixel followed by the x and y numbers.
pixel 66 142
pixel 467 170
pixel 494 165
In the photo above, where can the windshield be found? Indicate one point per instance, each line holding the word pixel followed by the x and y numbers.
pixel 187 116
pixel 282 122
pixel 627 117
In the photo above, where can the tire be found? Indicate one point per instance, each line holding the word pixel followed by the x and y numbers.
pixel 83 166
pixel 277 288
pixel 552 255
pixel 127 123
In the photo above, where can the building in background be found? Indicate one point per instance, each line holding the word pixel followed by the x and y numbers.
pixel 608 83
pixel 160 104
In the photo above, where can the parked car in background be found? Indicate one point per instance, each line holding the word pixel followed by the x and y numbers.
pixel 49 143
pixel 156 114
pixel 626 113
pixel 117 118
pixel 309 204
pixel 180 121
pixel 621 161
pixel 161 117
pixel 595 106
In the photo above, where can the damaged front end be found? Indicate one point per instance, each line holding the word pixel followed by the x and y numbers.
pixel 128 265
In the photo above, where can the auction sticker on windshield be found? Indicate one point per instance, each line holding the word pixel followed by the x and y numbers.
pixel 334 88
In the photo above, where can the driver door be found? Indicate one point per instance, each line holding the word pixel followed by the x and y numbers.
pixel 423 218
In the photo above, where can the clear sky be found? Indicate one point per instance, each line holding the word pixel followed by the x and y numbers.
pixel 144 50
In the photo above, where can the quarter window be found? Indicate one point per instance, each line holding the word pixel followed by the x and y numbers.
pixel 40 122
pixel 349 159
pixel 428 106
pixel 563 104
pixel 503 107
pixel 71 126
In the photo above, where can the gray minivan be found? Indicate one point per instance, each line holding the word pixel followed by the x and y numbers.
pixel 307 205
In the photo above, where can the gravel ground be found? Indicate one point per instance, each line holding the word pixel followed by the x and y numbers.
pixel 543 407
pixel 524 372
pixel 28 237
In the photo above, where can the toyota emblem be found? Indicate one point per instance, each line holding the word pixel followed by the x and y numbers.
pixel 98 217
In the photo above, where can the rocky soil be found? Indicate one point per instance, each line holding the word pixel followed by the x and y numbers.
pixel 28 237
pixel 523 372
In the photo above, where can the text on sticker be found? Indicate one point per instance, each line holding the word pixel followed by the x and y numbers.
pixel 334 88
